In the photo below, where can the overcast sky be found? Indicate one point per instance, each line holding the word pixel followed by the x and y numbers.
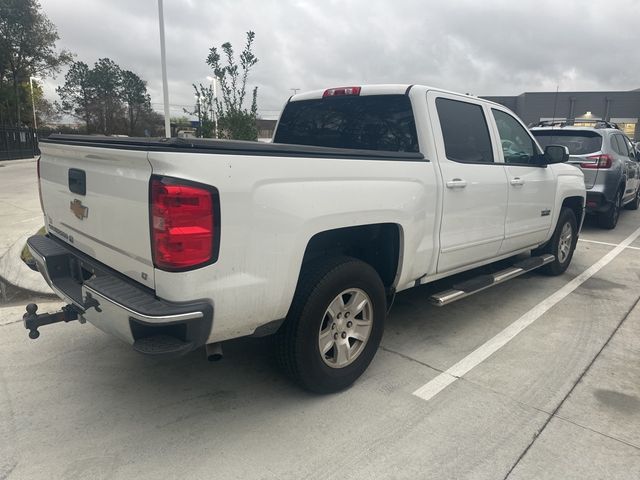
pixel 483 47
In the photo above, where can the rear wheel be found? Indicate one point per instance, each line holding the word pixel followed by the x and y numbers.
pixel 562 243
pixel 635 203
pixel 334 326
pixel 609 219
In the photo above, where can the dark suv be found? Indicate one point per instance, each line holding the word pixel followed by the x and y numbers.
pixel 607 159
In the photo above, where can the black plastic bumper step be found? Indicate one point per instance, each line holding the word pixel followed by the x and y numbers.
pixel 162 345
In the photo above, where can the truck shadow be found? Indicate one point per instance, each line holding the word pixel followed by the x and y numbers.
pixel 118 389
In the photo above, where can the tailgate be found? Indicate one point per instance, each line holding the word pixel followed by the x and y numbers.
pixel 590 174
pixel 97 200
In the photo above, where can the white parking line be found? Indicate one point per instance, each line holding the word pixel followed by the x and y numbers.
pixel 605 243
pixel 442 381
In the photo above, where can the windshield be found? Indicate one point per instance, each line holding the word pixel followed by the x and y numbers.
pixel 578 142
pixel 374 122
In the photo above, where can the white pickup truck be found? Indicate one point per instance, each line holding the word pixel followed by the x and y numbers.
pixel 174 244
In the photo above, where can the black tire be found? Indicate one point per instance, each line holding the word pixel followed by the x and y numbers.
pixel 297 340
pixel 558 267
pixel 635 203
pixel 609 219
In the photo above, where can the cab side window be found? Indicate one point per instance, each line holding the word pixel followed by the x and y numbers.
pixel 517 145
pixel 465 131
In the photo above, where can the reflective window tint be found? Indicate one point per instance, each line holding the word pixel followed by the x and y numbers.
pixel 619 145
pixel 517 145
pixel 578 142
pixel 465 132
pixel 370 122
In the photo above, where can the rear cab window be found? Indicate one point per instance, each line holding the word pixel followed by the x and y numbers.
pixel 368 122
pixel 578 142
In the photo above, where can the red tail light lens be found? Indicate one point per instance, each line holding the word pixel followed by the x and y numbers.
pixel 599 161
pixel 335 92
pixel 184 224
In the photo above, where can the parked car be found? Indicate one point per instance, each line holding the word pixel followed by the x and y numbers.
pixel 173 244
pixel 609 163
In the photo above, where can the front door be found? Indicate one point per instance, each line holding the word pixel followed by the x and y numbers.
pixel 531 187
pixel 475 184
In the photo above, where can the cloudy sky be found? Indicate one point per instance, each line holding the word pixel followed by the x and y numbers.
pixel 484 47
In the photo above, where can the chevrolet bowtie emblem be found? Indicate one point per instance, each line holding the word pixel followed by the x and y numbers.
pixel 79 210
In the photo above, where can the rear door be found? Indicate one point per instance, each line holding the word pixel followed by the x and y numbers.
pixel 619 144
pixel 634 166
pixel 97 200
pixel 475 184
pixel 532 188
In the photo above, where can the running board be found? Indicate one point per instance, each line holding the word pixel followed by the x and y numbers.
pixel 483 282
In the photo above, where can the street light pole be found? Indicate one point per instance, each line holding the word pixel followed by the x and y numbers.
pixel 214 113
pixel 33 105
pixel 163 60
pixel 198 103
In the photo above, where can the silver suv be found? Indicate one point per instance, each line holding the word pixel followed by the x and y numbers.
pixel 607 159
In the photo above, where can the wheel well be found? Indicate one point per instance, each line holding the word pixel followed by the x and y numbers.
pixel 377 244
pixel 575 204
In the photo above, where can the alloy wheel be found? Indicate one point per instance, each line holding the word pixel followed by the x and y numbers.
pixel 564 243
pixel 345 328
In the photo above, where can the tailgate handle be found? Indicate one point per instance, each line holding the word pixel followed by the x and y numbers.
pixel 78 181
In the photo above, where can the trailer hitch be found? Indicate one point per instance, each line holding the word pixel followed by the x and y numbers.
pixel 32 320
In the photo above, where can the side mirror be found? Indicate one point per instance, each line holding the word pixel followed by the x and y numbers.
pixel 556 154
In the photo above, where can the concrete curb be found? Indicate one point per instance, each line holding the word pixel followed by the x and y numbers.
pixel 17 274
pixel 14 161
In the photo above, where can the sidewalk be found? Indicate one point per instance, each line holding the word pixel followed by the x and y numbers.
pixel 596 431
pixel 20 217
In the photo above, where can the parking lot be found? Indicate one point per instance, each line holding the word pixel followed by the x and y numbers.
pixel 559 400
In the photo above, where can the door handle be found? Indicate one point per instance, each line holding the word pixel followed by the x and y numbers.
pixel 517 181
pixel 456 183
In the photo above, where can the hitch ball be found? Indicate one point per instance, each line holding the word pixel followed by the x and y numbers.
pixel 29 318
pixel 33 321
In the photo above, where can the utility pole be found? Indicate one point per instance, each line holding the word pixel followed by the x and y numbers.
pixel 214 113
pixel 33 105
pixel 199 113
pixel 163 60
pixel 295 90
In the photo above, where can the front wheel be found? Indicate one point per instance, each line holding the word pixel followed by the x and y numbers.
pixel 562 243
pixel 334 325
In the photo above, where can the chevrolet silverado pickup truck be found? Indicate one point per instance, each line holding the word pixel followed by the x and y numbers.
pixel 174 244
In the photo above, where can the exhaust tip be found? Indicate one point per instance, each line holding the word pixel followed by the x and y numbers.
pixel 214 352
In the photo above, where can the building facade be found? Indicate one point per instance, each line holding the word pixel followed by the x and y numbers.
pixel 622 108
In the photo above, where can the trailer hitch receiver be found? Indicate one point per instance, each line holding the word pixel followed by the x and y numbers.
pixel 32 320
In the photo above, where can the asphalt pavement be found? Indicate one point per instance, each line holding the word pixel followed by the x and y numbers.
pixel 559 400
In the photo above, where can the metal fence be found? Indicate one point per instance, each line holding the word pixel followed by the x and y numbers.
pixel 18 143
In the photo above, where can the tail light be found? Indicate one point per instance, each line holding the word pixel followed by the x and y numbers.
pixel 39 186
pixel 335 92
pixel 598 161
pixel 185 224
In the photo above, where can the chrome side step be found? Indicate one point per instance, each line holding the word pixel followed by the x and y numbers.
pixel 482 282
